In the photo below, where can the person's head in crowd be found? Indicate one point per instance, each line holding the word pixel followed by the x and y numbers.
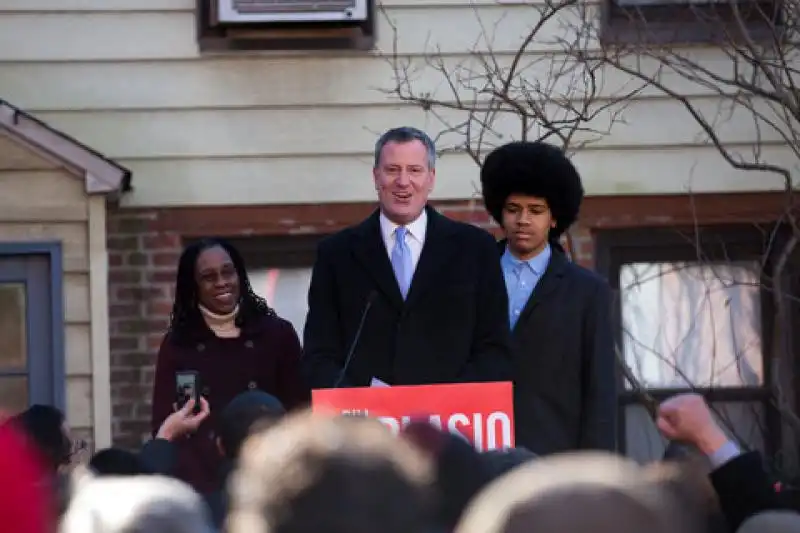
pixel 782 521
pixel 116 462
pixel 533 191
pixel 46 428
pixel 323 474
pixel 212 285
pixel 27 505
pixel 609 493
pixel 460 471
pixel 688 482
pixel 404 171
pixel 501 462
pixel 147 504
pixel 247 413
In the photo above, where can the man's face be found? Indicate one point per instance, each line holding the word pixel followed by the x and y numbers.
pixel 403 180
pixel 527 222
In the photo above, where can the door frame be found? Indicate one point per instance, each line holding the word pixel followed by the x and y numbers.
pixel 53 250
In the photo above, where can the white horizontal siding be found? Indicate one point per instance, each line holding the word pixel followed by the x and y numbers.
pixel 96 5
pixel 44 194
pixel 291 180
pixel 245 82
pixel 65 6
pixel 18 157
pixel 77 339
pixel 79 401
pixel 126 78
pixel 76 298
pixel 342 130
pixel 172 34
pixel 82 36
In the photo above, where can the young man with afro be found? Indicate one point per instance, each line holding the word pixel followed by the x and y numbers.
pixel 563 347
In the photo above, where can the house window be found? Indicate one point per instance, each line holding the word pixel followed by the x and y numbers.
pixel 264 25
pixel 279 269
pixel 694 312
pixel 690 21
pixel 31 326
pixel 286 290
pixel 689 324
pixel 13 347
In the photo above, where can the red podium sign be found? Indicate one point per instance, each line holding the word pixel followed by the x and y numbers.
pixel 483 413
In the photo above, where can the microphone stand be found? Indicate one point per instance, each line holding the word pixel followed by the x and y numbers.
pixel 356 338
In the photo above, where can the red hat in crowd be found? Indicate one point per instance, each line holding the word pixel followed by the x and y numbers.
pixel 26 503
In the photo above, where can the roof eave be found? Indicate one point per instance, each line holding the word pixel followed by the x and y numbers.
pixel 101 175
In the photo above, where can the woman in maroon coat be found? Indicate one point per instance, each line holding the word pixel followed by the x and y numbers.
pixel 227 334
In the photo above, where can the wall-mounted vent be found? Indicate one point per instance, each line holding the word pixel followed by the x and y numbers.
pixel 255 11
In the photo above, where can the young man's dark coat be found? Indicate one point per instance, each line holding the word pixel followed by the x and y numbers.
pixel 564 362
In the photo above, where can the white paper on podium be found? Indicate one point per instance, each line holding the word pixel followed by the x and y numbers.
pixel 378 383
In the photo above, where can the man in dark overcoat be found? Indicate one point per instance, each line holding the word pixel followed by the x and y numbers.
pixel 408 296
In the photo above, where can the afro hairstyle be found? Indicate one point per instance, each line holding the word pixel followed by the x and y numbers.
pixel 533 169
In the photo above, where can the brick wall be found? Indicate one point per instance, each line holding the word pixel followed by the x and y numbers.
pixel 142 263
pixel 143 248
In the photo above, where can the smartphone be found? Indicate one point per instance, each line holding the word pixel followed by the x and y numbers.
pixel 187 385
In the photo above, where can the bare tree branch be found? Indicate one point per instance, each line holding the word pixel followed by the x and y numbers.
pixel 539 91
pixel 752 74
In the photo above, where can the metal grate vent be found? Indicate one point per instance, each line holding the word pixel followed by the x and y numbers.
pixel 265 7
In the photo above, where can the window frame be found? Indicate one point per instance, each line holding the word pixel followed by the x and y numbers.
pixel 684 23
pixel 615 248
pixel 46 370
pixel 213 36
pixel 279 251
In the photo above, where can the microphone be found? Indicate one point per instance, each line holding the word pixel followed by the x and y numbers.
pixel 370 299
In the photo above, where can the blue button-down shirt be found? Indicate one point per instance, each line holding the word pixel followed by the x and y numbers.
pixel 521 278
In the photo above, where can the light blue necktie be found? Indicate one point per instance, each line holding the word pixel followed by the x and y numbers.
pixel 401 261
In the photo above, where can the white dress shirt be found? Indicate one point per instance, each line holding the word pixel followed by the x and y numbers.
pixel 415 236
pixel 415 239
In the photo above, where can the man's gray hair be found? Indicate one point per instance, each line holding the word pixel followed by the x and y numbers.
pixel 406 134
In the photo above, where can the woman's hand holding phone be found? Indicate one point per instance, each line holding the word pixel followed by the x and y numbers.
pixel 185 420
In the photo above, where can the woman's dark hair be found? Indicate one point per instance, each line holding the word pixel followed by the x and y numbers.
pixel 43 425
pixel 186 320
